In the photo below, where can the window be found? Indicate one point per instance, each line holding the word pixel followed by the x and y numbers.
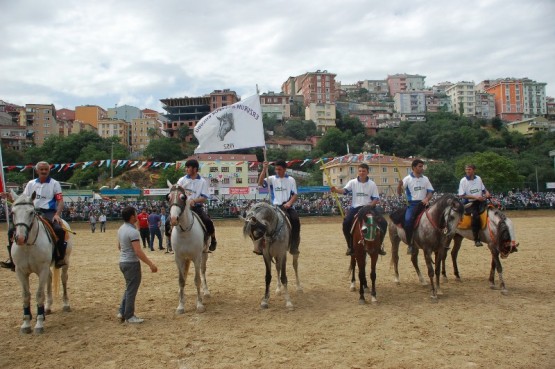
pixel 238 180
pixel 395 170
pixel 225 169
pixel 213 169
pixel 384 169
pixel 224 98
pixel 384 180
pixel 225 180
pixel 238 169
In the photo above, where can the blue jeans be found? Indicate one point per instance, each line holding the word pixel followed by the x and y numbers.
pixel 132 274
pixel 155 232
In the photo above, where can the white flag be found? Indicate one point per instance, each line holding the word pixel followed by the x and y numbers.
pixel 233 127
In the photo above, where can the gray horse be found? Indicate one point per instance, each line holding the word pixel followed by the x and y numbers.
pixel 499 234
pixel 32 253
pixel 432 233
pixel 269 230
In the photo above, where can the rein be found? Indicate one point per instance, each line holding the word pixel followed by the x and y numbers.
pixel 182 208
pixel 434 225
pixel 28 228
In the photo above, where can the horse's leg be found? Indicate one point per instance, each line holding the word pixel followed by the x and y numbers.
pixel 361 262
pixel 353 287
pixel 428 257
pixel 283 278
pixel 496 265
pixel 492 272
pixel 26 296
pixel 198 263
pixel 267 263
pixel 296 268
pixel 49 299
pixel 278 273
pixel 439 257
pixel 457 242
pixel 395 240
pixel 65 298
pixel 414 259
pixel 44 277
pixel 183 269
pixel 374 261
pixel 205 289
pixel 443 267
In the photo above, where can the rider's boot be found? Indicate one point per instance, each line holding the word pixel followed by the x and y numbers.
pixel 213 243
pixel 61 246
pixel 8 264
pixel 382 251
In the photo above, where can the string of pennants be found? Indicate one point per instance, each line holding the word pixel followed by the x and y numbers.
pixel 349 158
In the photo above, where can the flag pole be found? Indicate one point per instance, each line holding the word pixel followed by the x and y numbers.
pixel 4 188
pixel 399 175
pixel 267 171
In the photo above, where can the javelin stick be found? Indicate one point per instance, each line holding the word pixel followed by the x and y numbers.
pixel 399 175
pixel 328 178
pixel 267 175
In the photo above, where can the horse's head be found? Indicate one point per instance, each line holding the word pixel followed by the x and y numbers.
pixel 453 210
pixel 256 222
pixel 177 198
pixel 226 125
pixel 24 214
pixel 505 233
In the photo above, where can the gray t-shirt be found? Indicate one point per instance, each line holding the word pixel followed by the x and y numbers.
pixel 127 233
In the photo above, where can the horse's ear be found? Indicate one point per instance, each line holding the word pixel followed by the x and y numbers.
pixel 14 195
pixel 169 183
pixel 34 195
pixel 220 119
pixel 168 197
pixel 253 220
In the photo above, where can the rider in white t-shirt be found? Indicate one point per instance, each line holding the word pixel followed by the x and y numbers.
pixel 474 193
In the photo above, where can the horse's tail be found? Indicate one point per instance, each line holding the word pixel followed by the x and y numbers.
pixel 56 281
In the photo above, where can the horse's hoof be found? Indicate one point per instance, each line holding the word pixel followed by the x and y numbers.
pixel 362 302
pixel 458 279
pixel 439 292
pixel 207 294
pixel 433 299
pixel 67 308
pixel 48 311
pixel 278 292
pixel 201 309
pixel 300 289
pixel 180 311
pixel 444 280
pixel 353 289
pixel 504 292
pixel 423 283
pixel 263 305
pixel 374 300
pixel 25 330
pixel 39 330
pixel 289 305
pixel 493 287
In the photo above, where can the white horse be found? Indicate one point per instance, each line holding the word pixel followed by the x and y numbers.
pixel 190 244
pixel 32 252
pixel 270 232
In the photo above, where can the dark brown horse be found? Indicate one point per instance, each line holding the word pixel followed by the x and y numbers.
pixel 367 239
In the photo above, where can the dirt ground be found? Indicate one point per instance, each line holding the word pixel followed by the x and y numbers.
pixel 470 326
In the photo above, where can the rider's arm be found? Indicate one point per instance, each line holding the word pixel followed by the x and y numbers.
pixel 262 174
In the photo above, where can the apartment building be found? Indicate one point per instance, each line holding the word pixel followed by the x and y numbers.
pixel 227 174
pixel 124 112
pixel 323 115
pixel 275 105
pixel 40 121
pixel 142 131
pixel 463 99
pixel 220 98
pixel 410 102
pixel 534 101
pixel 485 105
pixel 530 126
pixel 315 87
pixel 90 114
pixel 404 82
pixel 108 128
pixel 384 170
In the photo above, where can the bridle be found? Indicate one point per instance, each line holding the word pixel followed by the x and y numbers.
pixel 446 229
pixel 256 225
pixel 182 198
pixel 512 245
pixel 28 228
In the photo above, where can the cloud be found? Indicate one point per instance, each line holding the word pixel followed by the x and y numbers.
pixel 73 53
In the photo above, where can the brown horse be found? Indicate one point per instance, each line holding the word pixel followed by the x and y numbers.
pixel 367 239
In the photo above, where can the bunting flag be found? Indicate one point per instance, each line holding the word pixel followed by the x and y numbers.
pixel 232 127
pixel 2 181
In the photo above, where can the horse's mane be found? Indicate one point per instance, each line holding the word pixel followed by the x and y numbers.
pixel 260 210
pixel 441 203
pixel 365 210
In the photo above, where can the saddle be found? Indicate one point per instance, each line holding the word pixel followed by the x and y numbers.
pixel 466 220
pixel 398 216
pixel 49 229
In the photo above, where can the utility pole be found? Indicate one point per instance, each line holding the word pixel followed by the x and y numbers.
pixel 112 166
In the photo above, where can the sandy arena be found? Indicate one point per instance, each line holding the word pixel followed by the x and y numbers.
pixel 470 326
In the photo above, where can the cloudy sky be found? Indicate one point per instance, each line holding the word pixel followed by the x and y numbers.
pixel 136 52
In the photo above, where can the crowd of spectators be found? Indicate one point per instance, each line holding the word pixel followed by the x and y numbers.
pixel 314 204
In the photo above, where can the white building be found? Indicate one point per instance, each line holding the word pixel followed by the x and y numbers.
pixel 462 98
pixel 322 114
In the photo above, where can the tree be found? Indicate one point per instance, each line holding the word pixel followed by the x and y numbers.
pixel 164 149
pixel 347 123
pixel 333 141
pixel 295 129
pixel 498 172
pixel 170 174
pixel 442 176
pixel 12 157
